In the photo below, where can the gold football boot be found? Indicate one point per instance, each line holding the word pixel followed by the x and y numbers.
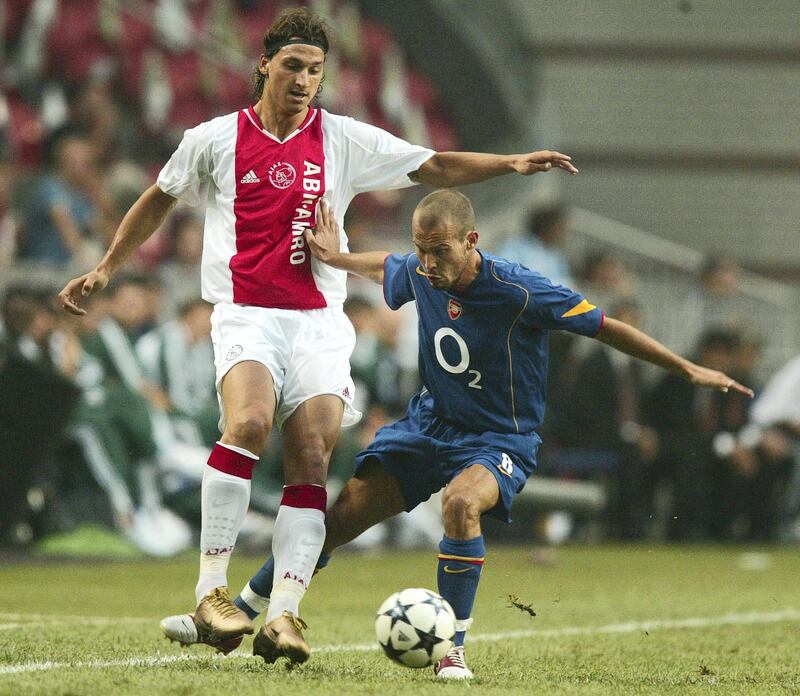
pixel 181 629
pixel 217 618
pixel 282 637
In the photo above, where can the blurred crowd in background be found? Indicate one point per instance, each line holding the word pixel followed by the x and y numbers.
pixel 110 418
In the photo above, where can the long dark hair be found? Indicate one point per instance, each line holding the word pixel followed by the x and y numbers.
pixel 294 22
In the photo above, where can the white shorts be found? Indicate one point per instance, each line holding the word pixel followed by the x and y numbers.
pixel 307 352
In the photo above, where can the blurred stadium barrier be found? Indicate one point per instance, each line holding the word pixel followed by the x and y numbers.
pixel 667 273
pixel 557 494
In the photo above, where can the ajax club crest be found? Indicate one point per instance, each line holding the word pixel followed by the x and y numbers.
pixel 282 175
pixel 453 309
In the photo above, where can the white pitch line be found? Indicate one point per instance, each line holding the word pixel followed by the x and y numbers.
pixel 64 618
pixel 128 662
pixel 652 625
pixel 616 628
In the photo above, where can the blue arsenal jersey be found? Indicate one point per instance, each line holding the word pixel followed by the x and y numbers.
pixel 483 351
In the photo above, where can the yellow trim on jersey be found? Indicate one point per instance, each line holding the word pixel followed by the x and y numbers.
pixel 581 308
pixel 508 343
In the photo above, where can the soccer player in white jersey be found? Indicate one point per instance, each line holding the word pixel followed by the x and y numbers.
pixel 260 173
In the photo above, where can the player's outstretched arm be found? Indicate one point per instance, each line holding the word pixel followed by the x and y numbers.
pixel 144 218
pixel 447 169
pixel 324 243
pixel 630 340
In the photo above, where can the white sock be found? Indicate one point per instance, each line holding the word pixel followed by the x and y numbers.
pixel 224 502
pixel 255 601
pixel 296 544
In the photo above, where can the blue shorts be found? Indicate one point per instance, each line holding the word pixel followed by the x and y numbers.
pixel 424 453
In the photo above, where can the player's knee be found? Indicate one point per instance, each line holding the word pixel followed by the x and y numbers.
pixel 249 429
pixel 460 510
pixel 311 458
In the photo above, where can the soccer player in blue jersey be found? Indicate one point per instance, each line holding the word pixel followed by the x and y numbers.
pixel 483 324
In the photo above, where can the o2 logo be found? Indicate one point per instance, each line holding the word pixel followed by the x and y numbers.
pixel 463 363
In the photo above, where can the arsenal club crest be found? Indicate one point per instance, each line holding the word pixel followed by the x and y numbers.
pixel 453 309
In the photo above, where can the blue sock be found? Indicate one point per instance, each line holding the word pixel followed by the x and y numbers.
pixel 261 584
pixel 460 564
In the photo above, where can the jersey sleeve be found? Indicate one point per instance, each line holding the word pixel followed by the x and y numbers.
pixel 397 288
pixel 379 160
pixel 189 168
pixel 552 306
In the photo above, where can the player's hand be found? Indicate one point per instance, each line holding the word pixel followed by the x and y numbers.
pixel 714 379
pixel 542 161
pixel 323 240
pixel 80 287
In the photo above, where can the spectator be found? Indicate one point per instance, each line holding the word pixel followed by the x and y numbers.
pixel 123 181
pixel 393 386
pixel 541 246
pixel 606 400
pixel 773 437
pixel 605 279
pixel 177 355
pixel 112 344
pixel 28 323
pixel 374 363
pixel 717 302
pixel 93 109
pixel 180 273
pixel 113 428
pixel 364 358
pixel 687 420
pixel 721 279
pixel 62 215
pixel 742 504
pixel 8 226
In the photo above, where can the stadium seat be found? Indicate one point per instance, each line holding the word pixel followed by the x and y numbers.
pixel 137 38
pixel 75 42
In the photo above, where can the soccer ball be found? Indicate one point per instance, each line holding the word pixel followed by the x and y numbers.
pixel 415 627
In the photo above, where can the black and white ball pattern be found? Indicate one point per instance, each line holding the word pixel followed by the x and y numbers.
pixel 415 627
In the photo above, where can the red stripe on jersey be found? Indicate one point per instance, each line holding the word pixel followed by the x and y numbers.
pixel 277 189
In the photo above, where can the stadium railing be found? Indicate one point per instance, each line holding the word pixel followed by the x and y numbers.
pixel 665 275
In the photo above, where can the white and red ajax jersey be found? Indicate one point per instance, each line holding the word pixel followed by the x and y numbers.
pixel 261 195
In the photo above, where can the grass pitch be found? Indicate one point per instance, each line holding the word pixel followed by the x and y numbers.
pixel 610 620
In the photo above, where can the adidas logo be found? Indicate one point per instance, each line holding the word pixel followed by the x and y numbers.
pixel 250 178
